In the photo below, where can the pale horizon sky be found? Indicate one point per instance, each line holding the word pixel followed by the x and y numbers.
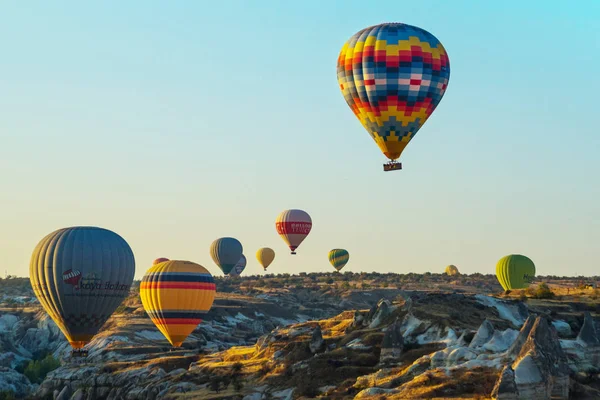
pixel 174 124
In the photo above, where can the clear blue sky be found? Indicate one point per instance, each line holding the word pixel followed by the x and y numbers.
pixel 174 123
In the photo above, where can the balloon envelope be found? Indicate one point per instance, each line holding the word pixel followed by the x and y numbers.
pixel 159 260
pixel 176 296
pixel 226 252
pixel 265 256
pixel 338 258
pixel 515 271
pixel 239 267
pixel 293 226
pixel 451 270
pixel 81 275
pixel 393 76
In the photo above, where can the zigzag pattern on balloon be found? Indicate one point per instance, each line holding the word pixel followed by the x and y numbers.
pixel 393 76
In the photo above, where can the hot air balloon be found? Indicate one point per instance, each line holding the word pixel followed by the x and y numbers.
pixel 159 260
pixel 338 258
pixel 265 257
pixel 176 296
pixel 81 275
pixel 393 76
pixel 515 271
pixel 226 252
pixel 451 270
pixel 239 267
pixel 293 226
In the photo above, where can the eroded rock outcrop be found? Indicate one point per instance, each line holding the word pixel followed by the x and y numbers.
pixel 506 388
pixel 317 344
pixel 392 345
pixel 588 334
pixel 483 335
pixel 12 381
pixel 357 321
pixel 515 348
pixel 540 370
pixel 383 310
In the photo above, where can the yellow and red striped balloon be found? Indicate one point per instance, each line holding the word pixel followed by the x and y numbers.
pixel 176 296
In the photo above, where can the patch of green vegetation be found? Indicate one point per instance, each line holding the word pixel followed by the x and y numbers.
pixel 7 395
pixel 37 370
pixel 121 309
pixel 373 339
pixel 543 292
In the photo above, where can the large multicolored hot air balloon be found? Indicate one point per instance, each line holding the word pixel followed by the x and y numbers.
pixel 393 76
pixel 293 226
pixel 81 275
pixel 239 267
pixel 451 270
pixel 338 258
pixel 226 252
pixel 176 296
pixel 159 260
pixel 515 271
pixel 265 256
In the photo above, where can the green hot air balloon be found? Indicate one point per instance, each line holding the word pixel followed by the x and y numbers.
pixel 81 275
pixel 515 271
pixel 226 252
pixel 338 258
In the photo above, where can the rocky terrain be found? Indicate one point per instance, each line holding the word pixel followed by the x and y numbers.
pixel 321 341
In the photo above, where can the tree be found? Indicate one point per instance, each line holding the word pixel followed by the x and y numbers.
pixel 36 371
pixel 543 292
pixel 215 383
pixel 236 376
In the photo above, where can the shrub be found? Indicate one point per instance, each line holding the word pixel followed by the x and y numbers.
pixel 7 395
pixel 373 339
pixel 306 387
pixel 121 309
pixel 523 297
pixel 235 376
pixel 543 292
pixel 36 371
pixel 264 370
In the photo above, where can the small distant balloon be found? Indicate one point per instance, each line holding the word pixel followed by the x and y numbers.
pixel 515 271
pixel 226 252
pixel 239 267
pixel 293 226
pixel 338 258
pixel 265 256
pixel 159 260
pixel 451 270
pixel 176 296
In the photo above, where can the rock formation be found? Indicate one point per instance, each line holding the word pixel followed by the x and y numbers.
pixel 483 335
pixel 515 348
pixel 506 388
pixel 588 335
pixel 392 345
pixel 383 310
pixel 317 344
pixel 358 319
pixel 10 380
pixel 540 369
